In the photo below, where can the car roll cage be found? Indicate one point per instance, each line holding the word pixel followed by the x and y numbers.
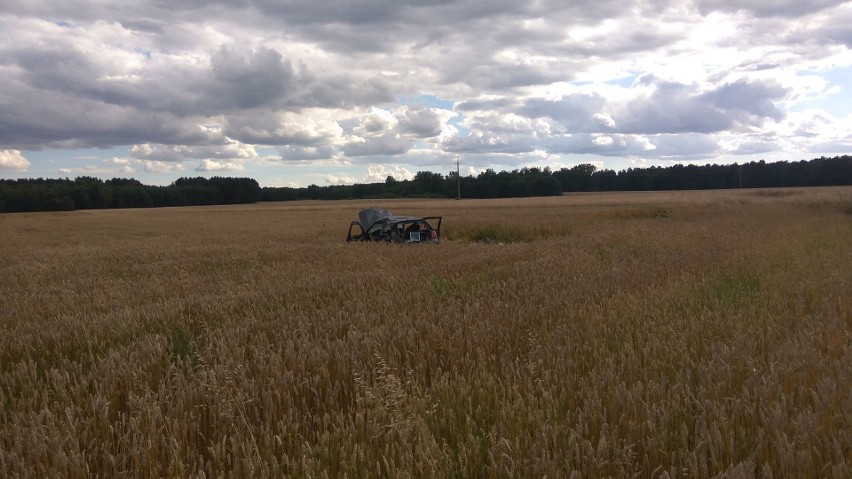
pixel 399 230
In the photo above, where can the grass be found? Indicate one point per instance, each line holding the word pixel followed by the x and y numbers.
pixel 695 334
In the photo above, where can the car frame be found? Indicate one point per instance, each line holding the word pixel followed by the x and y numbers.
pixel 377 224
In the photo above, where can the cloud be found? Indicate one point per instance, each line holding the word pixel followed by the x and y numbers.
pixel 295 154
pixel 817 131
pixel 419 121
pixel 161 153
pixel 61 95
pixel 246 78
pixel 340 180
pixel 751 146
pixel 779 8
pixel 221 85
pixel 305 128
pixel 222 154
pixel 387 144
pixel 384 132
pixel 124 164
pixel 375 174
pixel 229 155
pixel 161 167
pixel 13 160
pixel 379 173
pixel 683 147
pixel 575 112
pixel 213 165
pixel 664 107
pixel 259 79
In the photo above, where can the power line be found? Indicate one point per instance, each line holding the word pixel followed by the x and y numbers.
pixel 458 178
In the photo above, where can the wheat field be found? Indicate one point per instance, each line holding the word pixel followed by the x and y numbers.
pixel 688 334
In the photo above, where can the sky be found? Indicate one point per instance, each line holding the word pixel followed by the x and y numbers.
pixel 297 92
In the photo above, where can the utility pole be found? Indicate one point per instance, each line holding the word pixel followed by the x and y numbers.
pixel 458 178
pixel 741 176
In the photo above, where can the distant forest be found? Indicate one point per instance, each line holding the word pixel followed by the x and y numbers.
pixel 85 193
pixel 823 171
pixel 93 193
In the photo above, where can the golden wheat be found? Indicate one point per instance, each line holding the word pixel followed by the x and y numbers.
pixel 690 334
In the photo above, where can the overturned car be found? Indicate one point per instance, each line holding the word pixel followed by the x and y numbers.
pixel 377 224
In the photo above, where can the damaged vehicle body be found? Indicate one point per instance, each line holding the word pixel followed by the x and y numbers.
pixel 377 224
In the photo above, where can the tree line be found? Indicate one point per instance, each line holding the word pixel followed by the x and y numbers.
pixel 86 192
pixel 822 171
pixel 92 193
